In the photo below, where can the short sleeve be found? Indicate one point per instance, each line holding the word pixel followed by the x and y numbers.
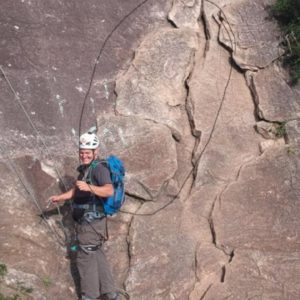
pixel 101 175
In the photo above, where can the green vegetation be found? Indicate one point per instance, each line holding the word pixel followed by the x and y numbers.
pixel 3 271
pixel 47 282
pixel 290 151
pixel 25 290
pixel 15 297
pixel 280 129
pixel 20 290
pixel 287 12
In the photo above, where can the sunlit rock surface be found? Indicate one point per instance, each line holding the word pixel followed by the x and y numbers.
pixel 191 96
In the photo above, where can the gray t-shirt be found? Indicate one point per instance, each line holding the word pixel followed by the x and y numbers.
pixel 95 174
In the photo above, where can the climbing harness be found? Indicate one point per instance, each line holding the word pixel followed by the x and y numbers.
pixel 90 216
pixel 90 207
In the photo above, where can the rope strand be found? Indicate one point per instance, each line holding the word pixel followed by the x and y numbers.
pixel 98 59
pixel 33 126
pixel 194 169
pixel 89 89
pixel 14 169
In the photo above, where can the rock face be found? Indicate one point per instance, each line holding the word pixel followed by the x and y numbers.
pixel 147 148
pixel 247 29
pixel 276 102
pixel 29 246
pixel 205 121
pixel 186 13
pixel 153 87
pixel 48 53
pixel 264 229
pixel 277 199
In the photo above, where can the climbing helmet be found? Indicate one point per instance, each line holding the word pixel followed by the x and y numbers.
pixel 89 140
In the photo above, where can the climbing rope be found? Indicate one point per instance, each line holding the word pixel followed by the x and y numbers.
pixel 233 44
pixel 196 164
pixel 32 125
pixel 34 128
pixel 98 59
pixel 193 170
pixel 224 92
pixel 45 147
pixel 38 134
pixel 13 167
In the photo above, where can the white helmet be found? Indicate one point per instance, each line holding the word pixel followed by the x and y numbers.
pixel 89 140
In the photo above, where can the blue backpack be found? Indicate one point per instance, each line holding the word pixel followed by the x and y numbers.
pixel 117 172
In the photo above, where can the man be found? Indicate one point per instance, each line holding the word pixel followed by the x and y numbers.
pixel 89 192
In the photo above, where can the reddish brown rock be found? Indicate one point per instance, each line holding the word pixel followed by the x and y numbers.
pixel 263 202
pixel 154 86
pixel 276 101
pixel 28 245
pixel 293 133
pixel 225 230
pixel 259 274
pixel 186 13
pixel 248 30
pixel 48 53
pixel 148 151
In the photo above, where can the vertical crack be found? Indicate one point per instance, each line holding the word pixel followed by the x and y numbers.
pixel 129 255
pixel 231 256
pixel 129 242
pixel 205 293
pixel 211 223
pixel 189 107
pixel 223 273
pixel 207 29
pixel 196 263
pixel 251 85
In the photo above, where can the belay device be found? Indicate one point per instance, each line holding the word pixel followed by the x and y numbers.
pixel 117 172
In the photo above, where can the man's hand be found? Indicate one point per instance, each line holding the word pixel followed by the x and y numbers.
pixel 62 197
pixel 55 199
pixel 83 186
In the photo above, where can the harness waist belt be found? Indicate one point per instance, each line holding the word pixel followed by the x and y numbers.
pixel 92 215
pixel 90 212
pixel 83 206
pixel 90 207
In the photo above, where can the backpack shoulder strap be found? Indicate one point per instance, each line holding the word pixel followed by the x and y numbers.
pixel 88 172
pixel 95 163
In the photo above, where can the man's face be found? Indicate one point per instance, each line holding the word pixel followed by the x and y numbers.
pixel 87 156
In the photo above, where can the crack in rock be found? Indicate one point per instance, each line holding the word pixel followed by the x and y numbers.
pixel 185 14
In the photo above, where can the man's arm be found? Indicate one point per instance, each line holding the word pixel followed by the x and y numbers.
pixel 63 197
pixel 104 191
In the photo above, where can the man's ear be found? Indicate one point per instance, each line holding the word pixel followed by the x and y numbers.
pixel 96 152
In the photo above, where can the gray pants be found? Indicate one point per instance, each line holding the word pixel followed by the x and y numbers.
pixel 95 274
